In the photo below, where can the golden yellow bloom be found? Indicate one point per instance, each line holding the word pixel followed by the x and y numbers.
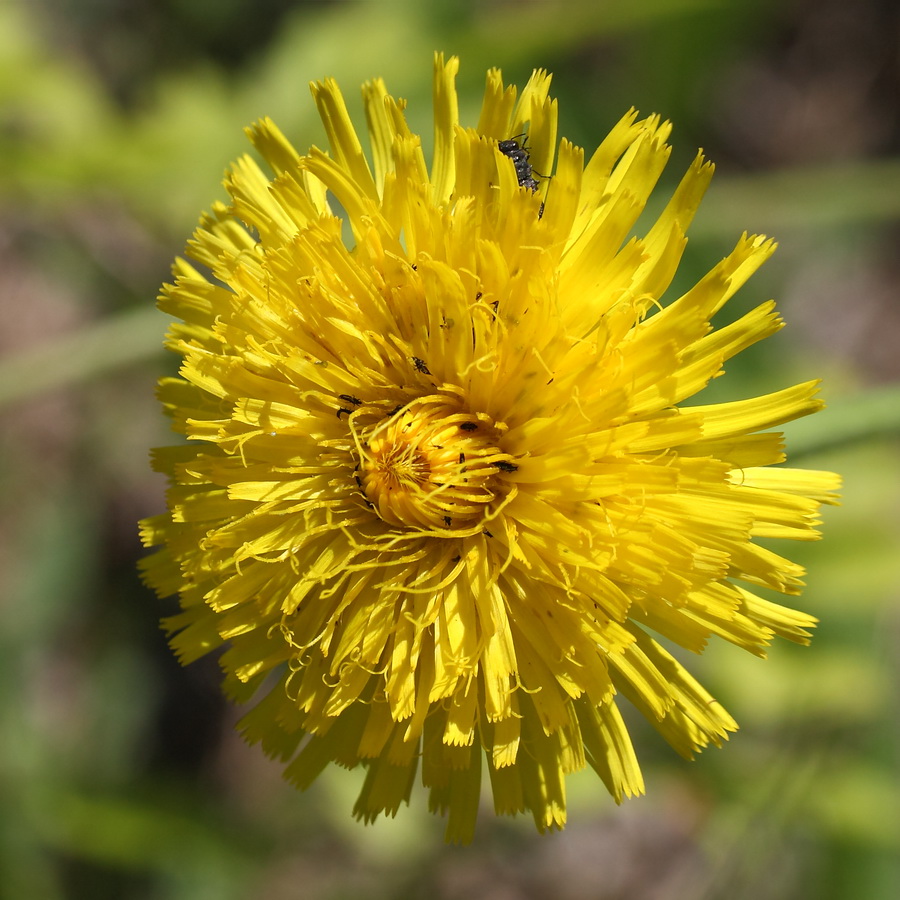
pixel 439 490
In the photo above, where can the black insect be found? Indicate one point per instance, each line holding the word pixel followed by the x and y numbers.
pixel 350 399
pixel 342 410
pixel 447 521
pixel 519 155
pixel 469 426
pixel 506 466
pixel 395 410
pixel 524 172
pixel 420 365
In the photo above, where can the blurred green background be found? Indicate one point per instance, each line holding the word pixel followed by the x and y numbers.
pixel 120 773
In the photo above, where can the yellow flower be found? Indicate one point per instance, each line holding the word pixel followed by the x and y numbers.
pixel 439 491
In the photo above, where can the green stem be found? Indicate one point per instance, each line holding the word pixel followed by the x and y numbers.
pixel 113 343
pixel 870 415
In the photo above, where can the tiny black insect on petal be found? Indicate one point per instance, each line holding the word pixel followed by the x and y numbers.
pixel 447 521
pixel 505 466
pixel 469 426
pixel 519 155
pixel 396 409
pixel 487 533
pixel 350 399
pixel 342 410
pixel 420 365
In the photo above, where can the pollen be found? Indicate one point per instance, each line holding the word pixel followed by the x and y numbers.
pixel 423 468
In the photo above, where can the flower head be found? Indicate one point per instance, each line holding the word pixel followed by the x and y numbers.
pixel 439 491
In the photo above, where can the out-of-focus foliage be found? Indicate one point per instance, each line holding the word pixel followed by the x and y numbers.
pixel 120 774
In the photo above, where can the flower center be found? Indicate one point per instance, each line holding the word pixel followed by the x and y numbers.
pixel 433 465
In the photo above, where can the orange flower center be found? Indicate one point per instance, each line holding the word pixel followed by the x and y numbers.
pixel 432 465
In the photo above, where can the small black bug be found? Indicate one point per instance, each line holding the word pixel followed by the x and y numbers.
pixel 468 426
pixel 350 399
pixel 420 365
pixel 519 155
pixel 506 466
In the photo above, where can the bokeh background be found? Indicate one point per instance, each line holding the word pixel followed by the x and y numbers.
pixel 120 773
